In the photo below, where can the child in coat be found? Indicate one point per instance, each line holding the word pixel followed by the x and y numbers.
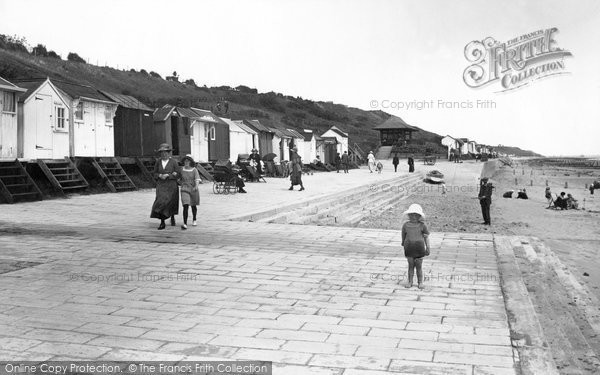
pixel 415 240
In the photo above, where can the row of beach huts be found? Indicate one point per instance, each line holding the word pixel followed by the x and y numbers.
pixel 55 125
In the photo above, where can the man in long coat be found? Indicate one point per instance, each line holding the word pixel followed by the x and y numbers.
pixel 485 200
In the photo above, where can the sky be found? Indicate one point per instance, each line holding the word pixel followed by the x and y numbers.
pixel 376 54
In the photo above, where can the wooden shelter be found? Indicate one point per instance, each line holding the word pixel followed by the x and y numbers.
pixel 394 131
pixel 8 119
pixel 241 138
pixel 135 133
pixel 91 120
pixel 44 121
pixel 310 145
pixel 341 136
pixel 265 136
pixel 218 134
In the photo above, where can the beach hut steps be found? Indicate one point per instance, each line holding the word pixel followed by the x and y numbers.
pixel 113 174
pixel 16 184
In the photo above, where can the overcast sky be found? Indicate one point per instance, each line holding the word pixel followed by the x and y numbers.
pixel 365 54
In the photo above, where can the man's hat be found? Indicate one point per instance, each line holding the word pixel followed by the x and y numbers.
pixel 484 179
pixel 164 147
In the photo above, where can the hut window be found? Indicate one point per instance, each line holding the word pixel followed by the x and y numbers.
pixel 108 115
pixel 8 102
pixel 79 111
pixel 60 118
pixel 213 133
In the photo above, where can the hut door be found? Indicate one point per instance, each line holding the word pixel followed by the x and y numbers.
pixel 45 121
pixel 85 134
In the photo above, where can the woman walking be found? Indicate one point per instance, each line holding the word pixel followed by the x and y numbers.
pixel 296 170
pixel 190 182
pixel 166 173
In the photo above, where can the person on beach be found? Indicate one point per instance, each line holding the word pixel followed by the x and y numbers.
pixel 522 194
pixel 296 170
pixel 345 161
pixel 190 181
pixel 166 173
pixel 485 200
pixel 572 202
pixel 396 161
pixel 371 161
pixel 411 164
pixel 338 162
pixel 379 167
pixel 548 196
pixel 561 201
pixel 415 240
pixel 256 161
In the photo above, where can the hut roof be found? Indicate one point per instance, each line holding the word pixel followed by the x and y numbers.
pixel 77 91
pixel 30 85
pixel 126 101
pixel 245 127
pixel 395 122
pixel 163 113
pixel 7 86
pixel 308 134
pixel 280 133
pixel 256 125
pixel 206 116
pixel 339 131
pixel 296 134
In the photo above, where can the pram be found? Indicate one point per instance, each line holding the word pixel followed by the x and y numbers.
pixel 226 179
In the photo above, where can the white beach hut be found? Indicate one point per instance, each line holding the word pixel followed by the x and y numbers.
pixel 91 120
pixel 452 144
pixel 8 119
pixel 240 140
pixel 44 121
pixel 310 145
pixel 341 136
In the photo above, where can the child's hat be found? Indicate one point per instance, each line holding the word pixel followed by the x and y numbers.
pixel 415 209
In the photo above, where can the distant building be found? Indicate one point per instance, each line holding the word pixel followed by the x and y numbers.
pixel 395 131
pixel 341 136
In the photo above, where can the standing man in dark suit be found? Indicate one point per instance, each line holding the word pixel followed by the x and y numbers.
pixel 345 161
pixel 485 199
pixel 411 164
pixel 395 161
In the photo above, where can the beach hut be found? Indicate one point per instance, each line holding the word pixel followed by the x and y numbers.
pixel 310 145
pixel 241 139
pixel 8 119
pixel 265 136
pixel 135 133
pixel 175 128
pixel 91 120
pixel 341 136
pixel 250 131
pixel 43 121
pixel 319 147
pixel 451 143
pixel 281 142
pixel 298 142
pixel 464 146
pixel 330 149
pixel 217 134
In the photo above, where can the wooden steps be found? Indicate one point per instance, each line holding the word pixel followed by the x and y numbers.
pixel 113 174
pixel 15 183
pixel 146 165
pixel 63 174
pixel 206 171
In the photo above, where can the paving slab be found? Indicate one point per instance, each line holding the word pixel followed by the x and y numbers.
pixel 105 284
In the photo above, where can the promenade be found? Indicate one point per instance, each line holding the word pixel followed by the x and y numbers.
pixel 90 277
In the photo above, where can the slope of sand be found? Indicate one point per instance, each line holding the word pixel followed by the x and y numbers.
pixel 574 235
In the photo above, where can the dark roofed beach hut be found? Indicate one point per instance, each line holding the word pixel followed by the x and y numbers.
pixel 265 136
pixel 135 133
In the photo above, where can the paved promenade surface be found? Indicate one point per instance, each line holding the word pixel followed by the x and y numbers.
pixel 91 278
